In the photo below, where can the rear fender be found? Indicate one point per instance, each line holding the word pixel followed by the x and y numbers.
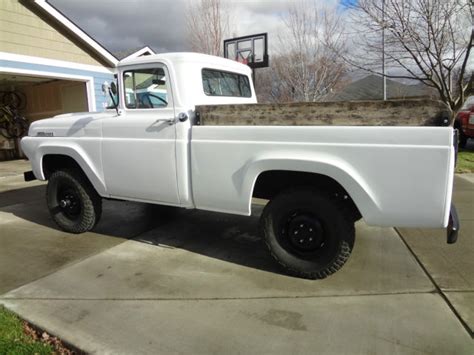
pixel 338 170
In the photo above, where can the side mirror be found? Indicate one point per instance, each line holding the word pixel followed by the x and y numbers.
pixel 113 88
pixel 105 88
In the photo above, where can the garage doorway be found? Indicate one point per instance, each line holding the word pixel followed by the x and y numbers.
pixel 40 97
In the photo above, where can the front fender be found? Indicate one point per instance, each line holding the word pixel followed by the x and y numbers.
pixel 339 170
pixel 36 148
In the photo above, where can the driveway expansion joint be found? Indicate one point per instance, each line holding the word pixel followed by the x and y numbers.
pixel 216 298
pixel 439 290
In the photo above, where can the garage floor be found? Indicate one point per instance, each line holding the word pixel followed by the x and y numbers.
pixel 203 283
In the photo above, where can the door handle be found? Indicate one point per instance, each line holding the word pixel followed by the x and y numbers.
pixel 169 120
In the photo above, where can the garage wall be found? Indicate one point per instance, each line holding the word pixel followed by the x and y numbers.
pixel 50 99
pixel 25 33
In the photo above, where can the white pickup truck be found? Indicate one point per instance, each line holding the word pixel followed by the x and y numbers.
pixel 187 131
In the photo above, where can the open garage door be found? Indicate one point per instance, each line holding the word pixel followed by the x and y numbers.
pixel 37 97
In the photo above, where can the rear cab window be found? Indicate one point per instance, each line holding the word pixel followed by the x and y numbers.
pixel 224 83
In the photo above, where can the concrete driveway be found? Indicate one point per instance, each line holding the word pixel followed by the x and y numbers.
pixel 203 283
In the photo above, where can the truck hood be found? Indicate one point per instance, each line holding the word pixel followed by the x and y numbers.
pixel 70 125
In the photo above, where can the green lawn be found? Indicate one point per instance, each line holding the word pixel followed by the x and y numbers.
pixel 465 161
pixel 14 341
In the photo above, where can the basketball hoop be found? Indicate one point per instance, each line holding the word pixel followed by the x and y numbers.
pixel 250 50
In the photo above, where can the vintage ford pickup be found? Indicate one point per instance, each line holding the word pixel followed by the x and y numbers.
pixel 187 131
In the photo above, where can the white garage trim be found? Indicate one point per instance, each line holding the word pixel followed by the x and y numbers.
pixel 54 62
pixel 89 80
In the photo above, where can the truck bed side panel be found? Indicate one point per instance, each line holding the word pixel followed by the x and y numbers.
pixel 397 176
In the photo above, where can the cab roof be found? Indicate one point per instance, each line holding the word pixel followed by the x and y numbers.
pixel 187 57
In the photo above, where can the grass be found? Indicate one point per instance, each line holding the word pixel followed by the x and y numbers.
pixel 14 341
pixel 465 162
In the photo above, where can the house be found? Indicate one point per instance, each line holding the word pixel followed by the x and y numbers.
pixel 371 88
pixel 50 63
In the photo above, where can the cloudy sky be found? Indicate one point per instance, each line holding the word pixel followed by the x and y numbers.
pixel 128 24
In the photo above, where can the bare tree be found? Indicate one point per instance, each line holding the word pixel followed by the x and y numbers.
pixel 306 65
pixel 207 24
pixel 426 40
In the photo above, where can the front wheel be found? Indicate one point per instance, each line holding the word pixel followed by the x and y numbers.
pixel 308 232
pixel 72 201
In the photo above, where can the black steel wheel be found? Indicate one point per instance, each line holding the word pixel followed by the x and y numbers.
pixel 308 232
pixel 72 201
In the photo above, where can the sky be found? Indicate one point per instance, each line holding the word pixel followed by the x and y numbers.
pixel 128 24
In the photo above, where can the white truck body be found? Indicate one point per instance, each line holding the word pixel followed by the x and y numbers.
pixel 396 176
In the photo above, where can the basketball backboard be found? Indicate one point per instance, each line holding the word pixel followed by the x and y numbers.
pixel 251 50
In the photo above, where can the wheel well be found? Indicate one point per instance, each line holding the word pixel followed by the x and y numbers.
pixel 271 183
pixel 54 162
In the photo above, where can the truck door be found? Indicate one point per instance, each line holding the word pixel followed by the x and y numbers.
pixel 138 146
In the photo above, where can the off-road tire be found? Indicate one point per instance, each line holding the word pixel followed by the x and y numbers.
pixel 89 202
pixel 337 228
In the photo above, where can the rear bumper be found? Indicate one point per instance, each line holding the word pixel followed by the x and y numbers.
pixel 453 226
pixel 453 221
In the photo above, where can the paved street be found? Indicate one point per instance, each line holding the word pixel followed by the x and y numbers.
pixel 203 283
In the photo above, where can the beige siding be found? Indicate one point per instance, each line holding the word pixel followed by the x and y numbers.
pixel 23 32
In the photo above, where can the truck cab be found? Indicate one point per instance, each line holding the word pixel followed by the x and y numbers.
pixel 157 97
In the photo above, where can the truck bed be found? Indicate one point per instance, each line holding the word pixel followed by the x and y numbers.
pixel 420 112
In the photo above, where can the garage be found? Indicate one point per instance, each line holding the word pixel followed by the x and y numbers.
pixel 48 66
pixel 34 98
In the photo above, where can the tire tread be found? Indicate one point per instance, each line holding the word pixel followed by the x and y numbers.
pixel 92 209
pixel 343 254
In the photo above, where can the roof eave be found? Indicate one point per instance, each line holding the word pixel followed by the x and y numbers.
pixel 78 32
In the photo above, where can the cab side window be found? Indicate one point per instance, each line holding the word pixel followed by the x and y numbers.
pixel 145 88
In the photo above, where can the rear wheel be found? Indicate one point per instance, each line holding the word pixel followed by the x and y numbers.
pixel 72 201
pixel 308 232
